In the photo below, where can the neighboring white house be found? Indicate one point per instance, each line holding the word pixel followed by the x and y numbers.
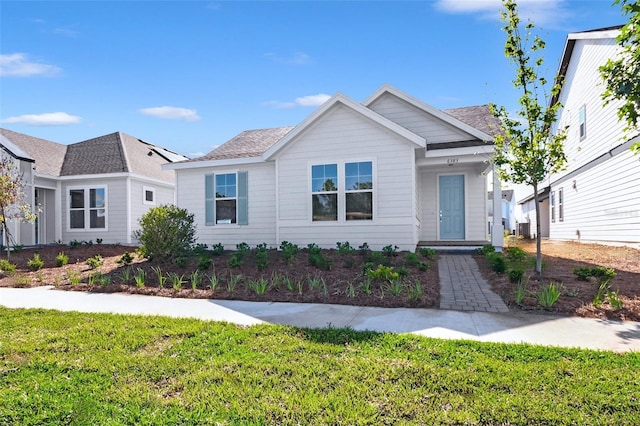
pixel 507 211
pixel 95 189
pixel 597 198
pixel 391 170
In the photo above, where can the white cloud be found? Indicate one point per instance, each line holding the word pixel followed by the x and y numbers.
pixel 171 113
pixel 297 58
pixel 303 101
pixel 65 32
pixel 46 119
pixel 541 12
pixel 19 65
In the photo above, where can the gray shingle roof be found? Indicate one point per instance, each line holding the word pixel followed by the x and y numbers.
pixel 250 143
pixel 48 155
pixel 479 117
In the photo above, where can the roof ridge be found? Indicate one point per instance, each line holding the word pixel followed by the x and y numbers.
pixel 123 150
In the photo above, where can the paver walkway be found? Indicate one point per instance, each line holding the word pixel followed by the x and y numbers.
pixel 463 288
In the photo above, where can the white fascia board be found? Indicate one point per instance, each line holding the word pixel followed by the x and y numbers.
pixel 386 88
pixel 104 176
pixel 212 163
pixel 594 35
pixel 456 152
pixel 353 105
pixel 14 150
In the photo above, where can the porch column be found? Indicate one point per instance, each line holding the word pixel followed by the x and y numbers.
pixel 497 236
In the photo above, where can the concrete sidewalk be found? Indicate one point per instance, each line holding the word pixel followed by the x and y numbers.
pixel 509 327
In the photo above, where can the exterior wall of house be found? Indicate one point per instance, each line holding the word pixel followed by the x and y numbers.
pixel 342 136
pixel 604 206
pixel 475 201
pixel 261 201
pixel 117 206
pixel 416 120
pixel 163 193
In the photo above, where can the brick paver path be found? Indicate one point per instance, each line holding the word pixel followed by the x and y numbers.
pixel 463 288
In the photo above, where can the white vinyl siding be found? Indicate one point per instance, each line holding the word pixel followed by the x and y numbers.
pixel 418 121
pixel 260 205
pixel 163 194
pixel 343 136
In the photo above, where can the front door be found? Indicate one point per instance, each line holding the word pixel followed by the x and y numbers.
pixel 452 207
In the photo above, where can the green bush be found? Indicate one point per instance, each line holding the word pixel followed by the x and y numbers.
pixel 95 261
pixel 486 249
pixel 217 249
pixel 548 296
pixel 515 275
pixel 428 252
pixel 35 263
pixel 204 262
pixel 166 232
pixel 497 262
pixel 61 259
pixel 515 254
pixel 383 273
pixel 7 267
pixel 125 259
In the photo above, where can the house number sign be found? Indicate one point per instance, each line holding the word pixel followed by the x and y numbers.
pixel 452 160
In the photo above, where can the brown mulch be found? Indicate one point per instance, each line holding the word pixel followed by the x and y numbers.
pixel 306 286
pixel 559 261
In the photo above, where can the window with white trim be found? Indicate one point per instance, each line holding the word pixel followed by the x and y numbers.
pixel 87 208
pixel 582 121
pixel 226 198
pixel 148 196
pixel 359 190
pixel 552 196
pixel 324 192
pixel 560 205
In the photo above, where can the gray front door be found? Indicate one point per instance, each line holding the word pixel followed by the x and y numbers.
pixel 452 207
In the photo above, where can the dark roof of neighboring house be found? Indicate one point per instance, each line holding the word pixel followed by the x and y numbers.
pixel 48 155
pixel 115 153
pixel 112 153
pixel 507 194
pixel 250 143
pixel 479 117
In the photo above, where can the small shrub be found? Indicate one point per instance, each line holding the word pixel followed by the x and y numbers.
pixel 233 282
pixel 74 277
pixel 262 260
pixel 344 248
pixel 243 248
pixel 547 296
pixel 180 261
pixel 166 232
pixel 213 282
pixel 402 271
pixel 217 249
pixel 98 240
pixel 317 259
pixel 395 287
pixel 95 261
pixel 17 248
pixel 383 273
pixel 497 262
pixel 486 249
pixel 7 267
pixel 411 259
pixel 390 250
pixel 424 266
pixel 61 259
pixel 521 290
pixel 125 259
pixel 35 263
pixel 199 249
pixel 126 275
pixel 288 250
pixel 515 275
pixel 583 274
pixel 601 273
pixel 350 292
pixel 235 261
pixel 614 300
pixel 379 258
pixel 315 282
pixel 364 249
pixel 515 254
pixel 428 252
pixel 365 287
pixel 75 243
pixel 415 292
pixel 204 262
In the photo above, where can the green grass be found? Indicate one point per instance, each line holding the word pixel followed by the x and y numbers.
pixel 99 369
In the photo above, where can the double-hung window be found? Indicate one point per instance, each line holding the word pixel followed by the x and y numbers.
pixel 88 208
pixel 553 206
pixel 324 192
pixel 560 205
pixel 359 190
pixel 342 191
pixel 226 200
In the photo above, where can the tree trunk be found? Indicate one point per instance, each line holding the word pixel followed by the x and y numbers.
pixel 536 200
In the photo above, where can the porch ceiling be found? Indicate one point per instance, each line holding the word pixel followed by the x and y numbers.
pixel 477 158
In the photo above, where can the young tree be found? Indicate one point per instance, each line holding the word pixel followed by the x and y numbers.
pixel 622 74
pixel 526 150
pixel 13 206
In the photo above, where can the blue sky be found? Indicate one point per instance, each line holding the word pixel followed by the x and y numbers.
pixel 190 75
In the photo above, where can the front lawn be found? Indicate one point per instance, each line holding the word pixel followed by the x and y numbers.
pixel 76 368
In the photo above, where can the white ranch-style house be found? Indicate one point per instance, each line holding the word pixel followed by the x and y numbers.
pixel 391 170
pixel 90 190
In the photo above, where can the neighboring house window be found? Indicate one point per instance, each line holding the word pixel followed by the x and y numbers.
pixel 560 205
pixel 226 199
pixel 324 192
pixel 583 121
pixel 88 206
pixel 148 196
pixel 359 190
pixel 553 206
